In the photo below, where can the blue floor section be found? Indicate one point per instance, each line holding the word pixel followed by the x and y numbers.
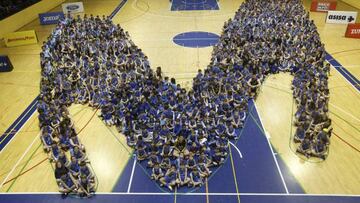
pixel 256 172
pixel 196 39
pixel 257 178
pixel 18 123
pixel 191 5
pixel 348 76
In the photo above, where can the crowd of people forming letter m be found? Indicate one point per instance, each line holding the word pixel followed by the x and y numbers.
pixel 181 135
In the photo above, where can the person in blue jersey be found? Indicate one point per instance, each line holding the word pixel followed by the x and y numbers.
pixel 86 188
pixel 78 154
pixel 231 133
pixel 64 141
pixel 165 163
pixel 319 149
pixel 191 163
pixel 74 167
pixel 203 169
pixel 254 84
pixel 67 184
pixel 169 179
pixel 195 179
pixel 63 159
pixel 47 141
pixel 299 134
pixel 153 159
pixel 157 172
pixel 182 176
pixel 305 147
pixel 54 152
pixel 85 171
pixel 75 142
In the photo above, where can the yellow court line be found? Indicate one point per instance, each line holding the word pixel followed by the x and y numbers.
pixel 175 194
pixel 207 190
pixel 234 174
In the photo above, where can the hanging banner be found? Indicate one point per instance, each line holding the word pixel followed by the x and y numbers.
pixel 20 38
pixel 50 18
pixel 5 64
pixel 353 31
pixel 341 17
pixel 323 5
pixel 74 7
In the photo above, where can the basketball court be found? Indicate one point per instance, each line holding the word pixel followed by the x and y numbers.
pixel 262 165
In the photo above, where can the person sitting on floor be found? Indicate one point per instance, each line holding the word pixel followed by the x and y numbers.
pixel 195 179
pixel 169 179
pixel 86 187
pixel 156 172
pixel 67 184
pixel 305 147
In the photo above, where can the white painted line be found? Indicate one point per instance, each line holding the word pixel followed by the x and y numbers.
pixel 272 151
pixel 193 194
pixel 237 149
pixel 7 144
pixel 132 175
pixel 349 66
pixel 18 162
pixel 344 76
pixel 17 123
pixel 350 76
pixel 231 194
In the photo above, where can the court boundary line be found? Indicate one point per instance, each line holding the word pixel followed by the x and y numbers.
pixel 193 194
pixel 272 151
pixel 234 174
pixel 17 132
pixel 19 160
pixel 342 70
pixel 18 124
pixel 132 175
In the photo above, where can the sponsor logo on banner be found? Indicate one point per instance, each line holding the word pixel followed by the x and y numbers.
pixel 341 17
pixel 323 5
pixel 75 7
pixel 20 38
pixel 5 64
pixel 50 18
pixel 353 31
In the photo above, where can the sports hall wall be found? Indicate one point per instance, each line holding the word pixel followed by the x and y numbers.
pixel 20 19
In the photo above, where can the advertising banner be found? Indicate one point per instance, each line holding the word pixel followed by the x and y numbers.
pixel 341 17
pixel 20 38
pixel 353 31
pixel 323 5
pixel 5 64
pixel 74 7
pixel 50 18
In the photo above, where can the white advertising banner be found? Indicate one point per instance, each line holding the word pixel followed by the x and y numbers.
pixel 74 7
pixel 341 17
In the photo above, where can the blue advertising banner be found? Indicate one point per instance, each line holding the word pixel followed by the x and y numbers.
pixel 50 18
pixel 5 64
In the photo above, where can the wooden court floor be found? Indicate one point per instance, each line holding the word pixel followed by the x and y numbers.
pixel 152 26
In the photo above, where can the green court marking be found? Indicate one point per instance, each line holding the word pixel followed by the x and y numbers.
pixel 22 169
